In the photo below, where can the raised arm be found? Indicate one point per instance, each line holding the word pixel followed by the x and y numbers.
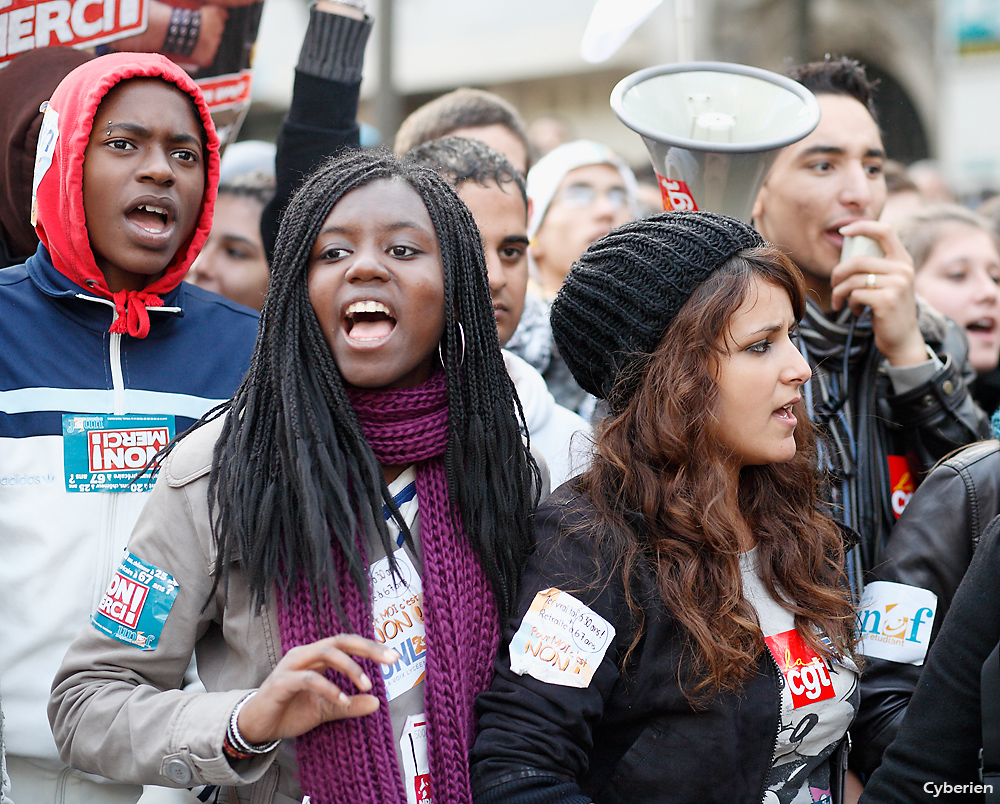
pixel 322 118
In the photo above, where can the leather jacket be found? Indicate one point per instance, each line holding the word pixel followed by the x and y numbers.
pixel 931 547
pixel 940 740
pixel 921 424
pixel 933 542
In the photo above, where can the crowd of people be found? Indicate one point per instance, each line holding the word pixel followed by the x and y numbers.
pixel 454 472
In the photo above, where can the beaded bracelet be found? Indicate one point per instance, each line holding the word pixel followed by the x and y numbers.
pixel 183 31
pixel 230 751
pixel 238 747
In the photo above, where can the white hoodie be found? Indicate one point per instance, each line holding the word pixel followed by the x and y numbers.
pixel 563 437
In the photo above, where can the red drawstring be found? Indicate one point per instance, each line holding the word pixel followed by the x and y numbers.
pixel 131 314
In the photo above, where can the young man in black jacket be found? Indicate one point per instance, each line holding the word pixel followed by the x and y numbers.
pixel 888 389
pixel 889 374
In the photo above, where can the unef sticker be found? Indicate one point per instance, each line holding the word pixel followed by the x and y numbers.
pixel 895 621
pixel 560 641
pixel 48 136
pixel 105 453
pixel 416 769
pixel 901 483
pixel 137 603
pixel 676 195
pixel 806 674
pixel 398 614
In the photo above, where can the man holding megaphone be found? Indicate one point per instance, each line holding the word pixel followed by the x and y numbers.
pixel 889 373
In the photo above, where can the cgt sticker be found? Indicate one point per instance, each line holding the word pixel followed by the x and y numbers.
pixel 560 640
pixel 805 672
pixel 901 483
pixel 676 195
pixel 895 621
pixel 136 604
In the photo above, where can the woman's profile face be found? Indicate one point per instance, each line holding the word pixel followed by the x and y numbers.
pixel 758 377
pixel 960 278
pixel 376 283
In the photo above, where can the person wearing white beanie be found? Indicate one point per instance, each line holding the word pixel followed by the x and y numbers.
pixel 579 192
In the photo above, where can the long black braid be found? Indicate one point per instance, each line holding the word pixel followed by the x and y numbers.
pixel 292 471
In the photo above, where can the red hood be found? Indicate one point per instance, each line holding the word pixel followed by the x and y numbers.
pixel 58 198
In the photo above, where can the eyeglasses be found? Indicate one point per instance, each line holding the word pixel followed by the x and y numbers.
pixel 581 196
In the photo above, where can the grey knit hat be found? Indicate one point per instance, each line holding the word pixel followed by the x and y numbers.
pixel 622 294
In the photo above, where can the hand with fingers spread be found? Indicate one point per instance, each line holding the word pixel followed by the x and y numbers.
pixel 297 696
pixel 885 285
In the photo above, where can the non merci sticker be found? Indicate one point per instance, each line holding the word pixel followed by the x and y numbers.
pixel 107 453
pixel 136 604
pixel 560 640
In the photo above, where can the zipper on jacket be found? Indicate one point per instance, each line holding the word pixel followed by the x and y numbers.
pixel 777 730
pixel 842 770
pixel 117 379
pixel 111 556
pixel 777 724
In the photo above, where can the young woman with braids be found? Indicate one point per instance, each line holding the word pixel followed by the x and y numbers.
pixel 683 632
pixel 282 534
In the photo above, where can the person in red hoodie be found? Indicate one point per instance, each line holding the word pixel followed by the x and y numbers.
pixel 106 356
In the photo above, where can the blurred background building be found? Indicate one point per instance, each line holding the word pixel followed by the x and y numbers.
pixel 938 62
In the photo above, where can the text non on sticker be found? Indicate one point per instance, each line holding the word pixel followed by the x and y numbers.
pixel 560 640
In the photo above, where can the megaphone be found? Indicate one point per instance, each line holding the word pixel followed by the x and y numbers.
pixel 713 129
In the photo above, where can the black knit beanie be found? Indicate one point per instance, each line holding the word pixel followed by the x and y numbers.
pixel 625 290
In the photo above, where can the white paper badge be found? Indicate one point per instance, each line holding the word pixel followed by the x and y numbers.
pixel 895 621
pixel 560 641
pixel 45 149
pixel 416 769
pixel 398 614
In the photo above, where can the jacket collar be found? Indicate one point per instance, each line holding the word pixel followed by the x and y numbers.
pixel 55 284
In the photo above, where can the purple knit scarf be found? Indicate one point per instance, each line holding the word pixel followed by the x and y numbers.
pixel 354 761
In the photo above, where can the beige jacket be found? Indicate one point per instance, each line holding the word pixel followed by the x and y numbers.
pixel 119 711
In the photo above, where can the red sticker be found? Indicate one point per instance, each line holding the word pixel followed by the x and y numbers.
pixel 124 449
pixel 901 483
pixel 676 195
pixel 422 786
pixel 31 24
pixel 226 91
pixel 123 600
pixel 805 672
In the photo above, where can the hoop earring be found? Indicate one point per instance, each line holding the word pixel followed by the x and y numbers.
pixel 461 354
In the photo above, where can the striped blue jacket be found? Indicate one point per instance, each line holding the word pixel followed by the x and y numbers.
pixel 61 532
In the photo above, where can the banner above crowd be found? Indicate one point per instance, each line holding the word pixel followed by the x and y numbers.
pixel 215 40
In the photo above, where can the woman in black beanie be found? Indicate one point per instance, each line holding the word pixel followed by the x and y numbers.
pixel 683 631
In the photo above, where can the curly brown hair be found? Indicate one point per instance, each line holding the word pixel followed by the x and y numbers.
pixel 663 486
